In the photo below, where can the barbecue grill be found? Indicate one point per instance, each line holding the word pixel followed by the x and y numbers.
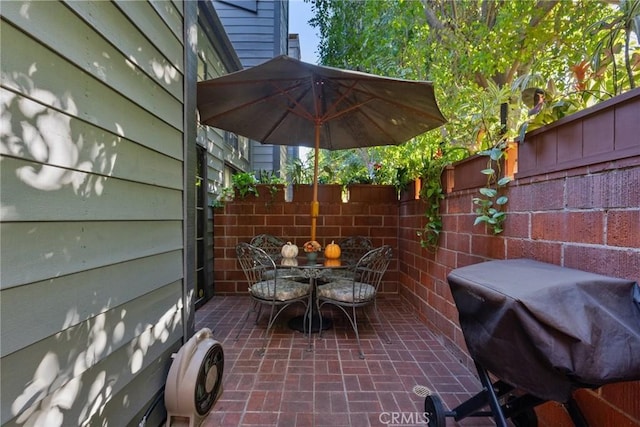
pixel 537 332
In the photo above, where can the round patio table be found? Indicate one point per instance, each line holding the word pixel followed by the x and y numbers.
pixel 312 269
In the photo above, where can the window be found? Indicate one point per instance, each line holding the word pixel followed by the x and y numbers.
pixel 231 139
pixel 203 291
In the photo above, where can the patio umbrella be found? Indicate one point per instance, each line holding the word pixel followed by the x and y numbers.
pixel 285 101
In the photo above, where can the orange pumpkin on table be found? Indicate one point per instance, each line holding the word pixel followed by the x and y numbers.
pixel 332 251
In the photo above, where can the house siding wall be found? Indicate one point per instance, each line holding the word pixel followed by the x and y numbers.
pixel 93 272
pixel 216 58
pixel 214 63
pixel 258 32
pixel 259 35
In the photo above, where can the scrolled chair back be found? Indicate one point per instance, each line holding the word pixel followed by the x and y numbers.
pixel 255 262
pixel 370 270
pixel 269 243
pixel 354 247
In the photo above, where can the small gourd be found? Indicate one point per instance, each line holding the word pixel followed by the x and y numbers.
pixel 289 250
pixel 332 251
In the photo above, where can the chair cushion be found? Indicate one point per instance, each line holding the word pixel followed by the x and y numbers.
pixel 342 290
pixel 287 289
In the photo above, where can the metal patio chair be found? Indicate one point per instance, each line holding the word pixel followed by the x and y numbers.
pixel 269 243
pixel 272 245
pixel 267 289
pixel 358 291
pixel 351 249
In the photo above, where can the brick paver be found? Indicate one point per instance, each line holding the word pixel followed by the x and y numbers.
pixel 330 386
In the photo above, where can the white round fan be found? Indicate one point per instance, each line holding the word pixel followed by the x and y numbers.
pixel 194 383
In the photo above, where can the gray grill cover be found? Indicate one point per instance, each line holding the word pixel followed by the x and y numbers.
pixel 548 330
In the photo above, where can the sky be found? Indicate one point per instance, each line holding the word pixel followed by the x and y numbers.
pixel 299 15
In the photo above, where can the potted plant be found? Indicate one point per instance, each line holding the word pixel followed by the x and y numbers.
pixel 245 183
pixel 226 195
pixel 312 248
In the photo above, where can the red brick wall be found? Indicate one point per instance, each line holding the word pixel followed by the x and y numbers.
pixel 371 211
pixel 564 220
pixel 585 217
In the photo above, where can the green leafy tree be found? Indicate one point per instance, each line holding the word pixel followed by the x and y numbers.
pixel 480 55
pixel 614 34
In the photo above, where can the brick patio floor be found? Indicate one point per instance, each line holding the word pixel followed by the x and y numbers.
pixel 331 386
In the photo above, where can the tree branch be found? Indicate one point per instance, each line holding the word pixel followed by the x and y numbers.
pixel 488 11
pixel 545 6
pixel 432 19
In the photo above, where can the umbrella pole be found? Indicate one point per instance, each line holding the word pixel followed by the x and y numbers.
pixel 315 206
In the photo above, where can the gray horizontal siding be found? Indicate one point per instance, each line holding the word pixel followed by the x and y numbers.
pixel 79 296
pixel 94 57
pixel 91 207
pixel 117 345
pixel 257 37
pixel 61 248
pixel 254 34
pixel 97 198
pixel 82 147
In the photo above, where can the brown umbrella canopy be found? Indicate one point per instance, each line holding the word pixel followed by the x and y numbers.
pixel 288 102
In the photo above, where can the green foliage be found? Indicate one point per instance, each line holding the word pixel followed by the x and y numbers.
pixel 245 183
pixel 269 177
pixel 555 107
pixel 272 180
pixel 227 194
pixel 491 203
pixel 432 194
pixel 480 56
pixel 356 166
pixel 299 172
pixel 614 46
pixel 371 36
pixel 464 47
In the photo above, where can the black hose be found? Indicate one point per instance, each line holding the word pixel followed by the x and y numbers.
pixel 156 400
